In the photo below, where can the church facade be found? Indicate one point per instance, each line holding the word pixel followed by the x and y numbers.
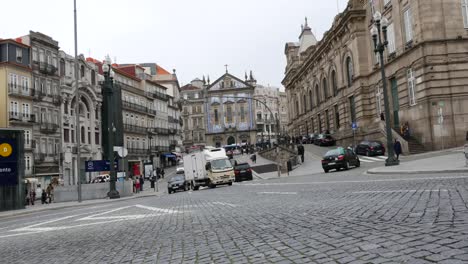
pixel 229 111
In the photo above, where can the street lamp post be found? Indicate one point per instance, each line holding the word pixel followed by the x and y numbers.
pixel 110 128
pixel 379 27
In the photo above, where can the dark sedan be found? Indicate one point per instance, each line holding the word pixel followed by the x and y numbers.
pixel 176 183
pixel 324 140
pixel 340 158
pixel 370 148
pixel 243 172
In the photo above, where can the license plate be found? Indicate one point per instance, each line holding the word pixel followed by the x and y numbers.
pixel 331 163
pixel 242 171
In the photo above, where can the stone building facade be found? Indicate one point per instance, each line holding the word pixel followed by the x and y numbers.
pixel 89 104
pixel 193 114
pixel 335 82
pixel 266 120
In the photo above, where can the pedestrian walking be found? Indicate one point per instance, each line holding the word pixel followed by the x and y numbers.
pixel 254 158
pixel 50 192
pixel 44 197
pixel 142 181
pixel 300 151
pixel 27 196
pixel 137 185
pixel 32 196
pixel 397 148
pixel 162 173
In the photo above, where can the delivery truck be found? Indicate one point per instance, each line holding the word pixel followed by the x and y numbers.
pixel 210 167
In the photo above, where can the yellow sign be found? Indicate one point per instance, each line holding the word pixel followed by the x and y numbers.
pixel 5 150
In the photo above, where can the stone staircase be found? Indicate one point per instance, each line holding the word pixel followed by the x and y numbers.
pixel 414 146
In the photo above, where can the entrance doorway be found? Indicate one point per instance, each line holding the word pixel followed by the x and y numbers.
pixel 231 140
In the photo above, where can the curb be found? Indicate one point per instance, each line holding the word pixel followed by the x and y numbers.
pixel 407 172
pixel 20 212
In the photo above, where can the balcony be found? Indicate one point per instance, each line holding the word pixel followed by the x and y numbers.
pixel 163 148
pixel 21 117
pixel 151 111
pixel 20 90
pixel 47 68
pixel 56 99
pixel 172 131
pixel 158 95
pixel 48 128
pixel 38 94
pixel 134 107
pixel 39 157
pixel 135 129
pixel 173 142
pixel 138 151
pixel 162 131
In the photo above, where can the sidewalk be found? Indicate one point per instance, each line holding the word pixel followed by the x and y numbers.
pixel 38 207
pixel 450 163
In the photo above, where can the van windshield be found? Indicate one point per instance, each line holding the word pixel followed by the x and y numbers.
pixel 221 164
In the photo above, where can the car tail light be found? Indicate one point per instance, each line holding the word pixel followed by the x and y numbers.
pixel 371 148
pixel 341 157
pixel 236 172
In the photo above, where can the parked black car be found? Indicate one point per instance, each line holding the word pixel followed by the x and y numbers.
pixel 324 140
pixel 370 148
pixel 176 183
pixel 340 158
pixel 243 172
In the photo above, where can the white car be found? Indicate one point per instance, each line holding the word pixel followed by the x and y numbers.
pixel 180 170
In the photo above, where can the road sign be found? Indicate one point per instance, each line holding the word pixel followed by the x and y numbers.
pixel 8 162
pixel 354 125
pixel 99 165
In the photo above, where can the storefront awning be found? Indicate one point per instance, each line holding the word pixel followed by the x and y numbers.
pixel 169 155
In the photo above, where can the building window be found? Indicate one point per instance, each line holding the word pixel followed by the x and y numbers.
pixel 464 5
pixel 391 38
pixel 27 161
pixel 407 22
pixel 325 89
pixel 73 136
pixel 66 135
pixel 19 55
pixel 27 137
pixel 82 72
pixel 242 114
pixel 83 135
pixel 305 104
pixel 93 77
pixel 352 106
pixel 349 70
pixel 317 95
pixel 311 99
pixel 297 108
pixel 337 118
pixel 34 54
pixel 229 114
pixel 386 2
pixel 334 83
pixel 216 116
pixel 378 100
pixel 411 87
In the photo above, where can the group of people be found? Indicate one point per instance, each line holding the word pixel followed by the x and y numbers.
pixel 139 180
pixel 405 131
pixel 47 195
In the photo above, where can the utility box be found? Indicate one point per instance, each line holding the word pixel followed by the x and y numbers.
pixel 12 187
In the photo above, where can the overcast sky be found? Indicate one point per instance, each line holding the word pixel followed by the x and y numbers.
pixel 194 37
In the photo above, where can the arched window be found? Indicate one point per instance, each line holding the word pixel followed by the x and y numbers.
pixel 311 99
pixel 349 70
pixel 93 77
pixel 297 107
pixel 325 88
pixel 334 83
pixel 317 95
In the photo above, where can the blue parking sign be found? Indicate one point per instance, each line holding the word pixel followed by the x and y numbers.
pixel 354 125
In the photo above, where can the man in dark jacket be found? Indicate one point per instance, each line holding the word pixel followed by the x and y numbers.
pixel 300 151
pixel 397 148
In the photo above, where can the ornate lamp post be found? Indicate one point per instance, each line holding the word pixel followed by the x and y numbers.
pixel 108 125
pixel 379 27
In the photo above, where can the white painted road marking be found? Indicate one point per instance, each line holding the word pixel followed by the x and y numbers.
pixel 285 193
pixel 227 204
pixel 341 182
pixel 401 191
pixel 101 217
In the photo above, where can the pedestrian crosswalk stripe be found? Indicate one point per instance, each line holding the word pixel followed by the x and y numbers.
pixel 363 160
pixel 371 158
pixel 383 157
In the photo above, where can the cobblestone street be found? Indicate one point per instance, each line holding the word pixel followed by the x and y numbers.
pixel 345 217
